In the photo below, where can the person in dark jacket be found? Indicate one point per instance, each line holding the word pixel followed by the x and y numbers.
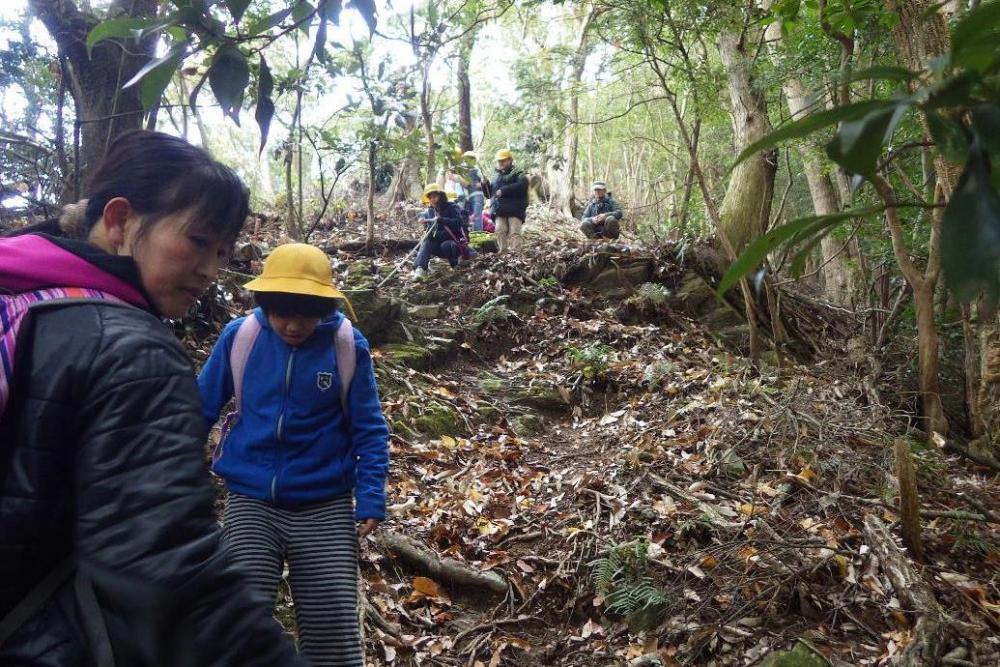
pixel 477 199
pixel 446 230
pixel 602 217
pixel 509 201
pixel 111 550
pixel 301 470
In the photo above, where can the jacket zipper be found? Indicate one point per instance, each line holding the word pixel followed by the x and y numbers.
pixel 281 422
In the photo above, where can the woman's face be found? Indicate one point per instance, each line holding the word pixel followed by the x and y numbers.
pixel 177 258
pixel 436 199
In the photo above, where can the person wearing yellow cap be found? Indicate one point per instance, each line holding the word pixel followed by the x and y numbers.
pixel 445 236
pixel 509 201
pixel 304 456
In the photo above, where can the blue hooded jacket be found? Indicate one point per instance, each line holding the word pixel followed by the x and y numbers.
pixel 292 445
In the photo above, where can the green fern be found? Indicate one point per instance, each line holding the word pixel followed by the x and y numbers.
pixel 621 578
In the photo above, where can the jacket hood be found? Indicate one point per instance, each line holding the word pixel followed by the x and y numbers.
pixel 36 261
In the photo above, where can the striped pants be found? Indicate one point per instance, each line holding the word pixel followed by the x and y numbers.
pixel 320 544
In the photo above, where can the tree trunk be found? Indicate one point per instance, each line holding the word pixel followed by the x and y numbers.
pixel 465 94
pixel 838 279
pixel 370 228
pixel 428 121
pixel 928 354
pixel 104 110
pixel 746 207
pixel 567 196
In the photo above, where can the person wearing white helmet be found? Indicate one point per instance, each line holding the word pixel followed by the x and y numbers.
pixel 602 216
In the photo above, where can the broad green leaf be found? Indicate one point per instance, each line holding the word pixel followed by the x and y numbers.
pixel 858 143
pixel 175 54
pixel 881 73
pixel 264 111
pixel 795 231
pixel 237 8
pixel 301 12
pixel 228 77
pixel 368 11
pixel 268 22
pixel 812 123
pixel 799 261
pixel 158 78
pixel 974 38
pixel 970 232
pixel 949 136
pixel 120 29
pixel 319 48
pixel 953 91
pixel 986 123
pixel 331 11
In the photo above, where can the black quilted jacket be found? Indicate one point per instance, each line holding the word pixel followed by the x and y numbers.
pixel 101 455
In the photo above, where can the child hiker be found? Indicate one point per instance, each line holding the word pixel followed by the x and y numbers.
pixel 111 552
pixel 305 455
pixel 447 238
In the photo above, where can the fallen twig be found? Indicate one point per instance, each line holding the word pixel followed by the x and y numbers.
pixel 418 554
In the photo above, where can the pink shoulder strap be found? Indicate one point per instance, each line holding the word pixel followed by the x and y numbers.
pixel 347 360
pixel 246 336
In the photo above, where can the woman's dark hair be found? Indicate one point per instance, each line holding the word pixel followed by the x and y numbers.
pixel 286 304
pixel 159 175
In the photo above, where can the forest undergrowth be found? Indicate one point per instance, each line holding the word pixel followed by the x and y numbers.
pixel 587 477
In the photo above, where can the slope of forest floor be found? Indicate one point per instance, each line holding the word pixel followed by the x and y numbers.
pixel 625 490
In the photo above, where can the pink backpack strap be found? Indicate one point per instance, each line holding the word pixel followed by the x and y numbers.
pixel 347 360
pixel 243 342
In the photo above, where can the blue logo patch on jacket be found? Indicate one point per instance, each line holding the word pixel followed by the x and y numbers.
pixel 324 380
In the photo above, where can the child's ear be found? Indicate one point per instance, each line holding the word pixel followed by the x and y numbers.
pixel 116 215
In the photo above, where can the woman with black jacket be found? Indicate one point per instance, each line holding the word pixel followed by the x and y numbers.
pixel 445 236
pixel 111 551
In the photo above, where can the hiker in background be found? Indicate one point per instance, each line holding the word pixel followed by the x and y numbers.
pixel 446 233
pixel 111 551
pixel 509 201
pixel 602 217
pixel 305 455
pixel 477 199
pixel 454 188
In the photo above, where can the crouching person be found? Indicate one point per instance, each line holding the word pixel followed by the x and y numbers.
pixel 305 454
pixel 602 217
pixel 446 237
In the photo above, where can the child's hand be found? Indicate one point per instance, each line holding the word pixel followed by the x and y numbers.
pixel 367 526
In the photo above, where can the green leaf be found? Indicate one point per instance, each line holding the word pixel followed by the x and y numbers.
pixel 812 123
pixel 794 232
pixel 858 143
pixel 228 77
pixel 319 48
pixel 120 29
pixel 263 25
pixel 158 78
pixel 265 105
pixel 949 136
pixel 986 123
pixel 331 11
pixel 970 232
pixel 974 38
pixel 301 12
pixel 237 8
pixel 367 10
pixel 881 73
pixel 799 261
pixel 175 55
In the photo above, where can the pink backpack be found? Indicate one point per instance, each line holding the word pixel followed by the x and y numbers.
pixel 15 307
pixel 246 336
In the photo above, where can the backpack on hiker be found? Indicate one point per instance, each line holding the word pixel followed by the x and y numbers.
pixel 243 341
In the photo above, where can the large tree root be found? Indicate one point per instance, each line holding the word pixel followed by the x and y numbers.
pixel 934 630
pixel 418 555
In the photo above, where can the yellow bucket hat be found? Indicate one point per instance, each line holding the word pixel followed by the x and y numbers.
pixel 504 154
pixel 298 268
pixel 428 189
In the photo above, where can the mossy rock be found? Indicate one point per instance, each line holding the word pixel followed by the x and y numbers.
pixel 439 420
pixel 541 396
pixel 483 241
pixel 359 275
pixel 527 425
pixel 801 655
pixel 378 317
pixel 424 354
pixel 621 279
